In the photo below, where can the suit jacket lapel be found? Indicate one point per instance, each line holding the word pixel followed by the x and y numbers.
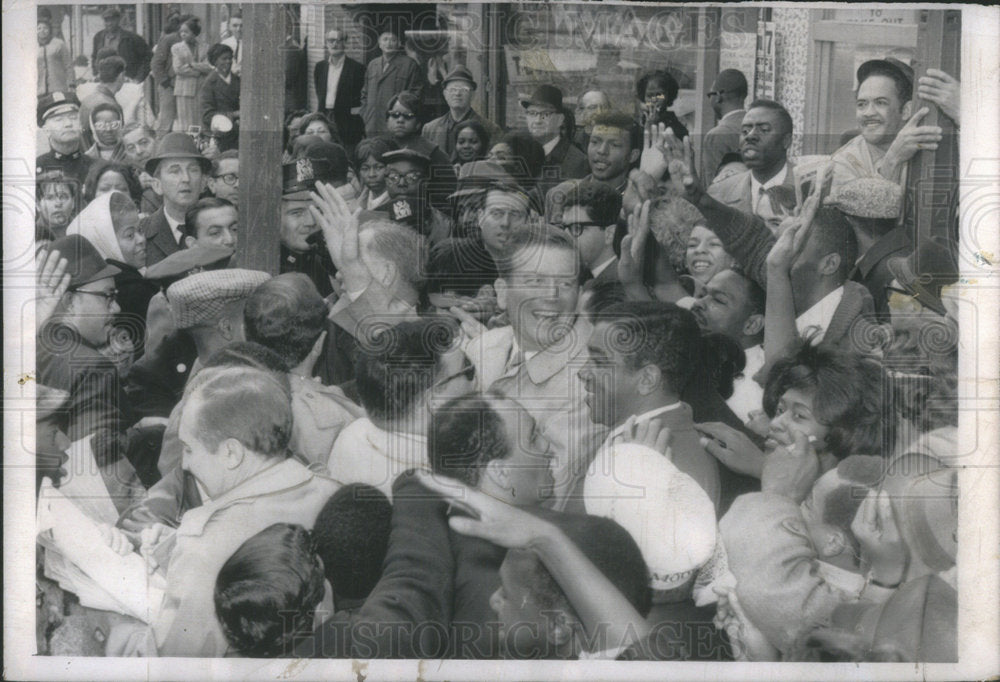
pixel 744 193
pixel 386 70
pixel 163 237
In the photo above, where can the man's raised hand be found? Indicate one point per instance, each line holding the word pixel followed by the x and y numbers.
pixel 341 232
pixel 653 162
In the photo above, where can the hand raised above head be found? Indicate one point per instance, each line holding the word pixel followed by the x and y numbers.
pixel 680 161
pixel 341 232
pixel 51 283
pixel 653 162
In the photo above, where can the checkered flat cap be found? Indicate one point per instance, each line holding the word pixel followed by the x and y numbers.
pixel 870 197
pixel 201 297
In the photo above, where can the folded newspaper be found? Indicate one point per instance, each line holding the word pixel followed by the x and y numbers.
pixel 79 559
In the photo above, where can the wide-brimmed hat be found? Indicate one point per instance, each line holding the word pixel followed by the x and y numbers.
pixel 930 268
pixel 56 103
pixel 176 146
pixel 459 73
pixel 546 94
pixel 890 64
pixel 84 262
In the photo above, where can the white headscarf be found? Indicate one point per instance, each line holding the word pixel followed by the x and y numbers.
pixel 94 222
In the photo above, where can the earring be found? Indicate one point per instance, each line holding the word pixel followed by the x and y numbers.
pixel 513 492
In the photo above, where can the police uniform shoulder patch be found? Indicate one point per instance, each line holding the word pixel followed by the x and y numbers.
pixel 401 209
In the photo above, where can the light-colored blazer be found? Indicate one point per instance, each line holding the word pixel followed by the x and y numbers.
pixel 286 492
pixel 189 67
pixel 735 190
pixel 547 386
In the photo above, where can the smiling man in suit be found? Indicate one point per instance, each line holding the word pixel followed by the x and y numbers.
pixel 179 172
pixel 765 136
pixel 386 77
pixel 339 80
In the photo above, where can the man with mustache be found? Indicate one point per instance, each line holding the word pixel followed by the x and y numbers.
pixel 765 136
pixel 890 131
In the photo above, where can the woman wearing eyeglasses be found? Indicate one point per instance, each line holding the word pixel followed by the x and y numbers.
pixel 403 121
pixel 106 122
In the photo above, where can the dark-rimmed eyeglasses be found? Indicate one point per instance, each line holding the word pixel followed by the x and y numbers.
pixel 411 177
pixel 108 296
pixel 400 115
pixel 577 229
pixel 713 93
pixel 229 178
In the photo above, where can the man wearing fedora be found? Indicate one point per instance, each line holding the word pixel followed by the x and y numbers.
pixel 891 133
pixel 458 87
pixel 548 122
pixel 59 118
pixel 179 171
pixel 129 46
pixel 339 80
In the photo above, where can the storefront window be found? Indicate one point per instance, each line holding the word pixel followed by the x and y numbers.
pixel 582 47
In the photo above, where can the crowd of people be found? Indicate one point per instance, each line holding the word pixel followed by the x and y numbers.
pixel 579 387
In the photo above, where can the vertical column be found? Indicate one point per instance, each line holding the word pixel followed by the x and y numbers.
pixel 709 24
pixel 932 181
pixel 261 118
